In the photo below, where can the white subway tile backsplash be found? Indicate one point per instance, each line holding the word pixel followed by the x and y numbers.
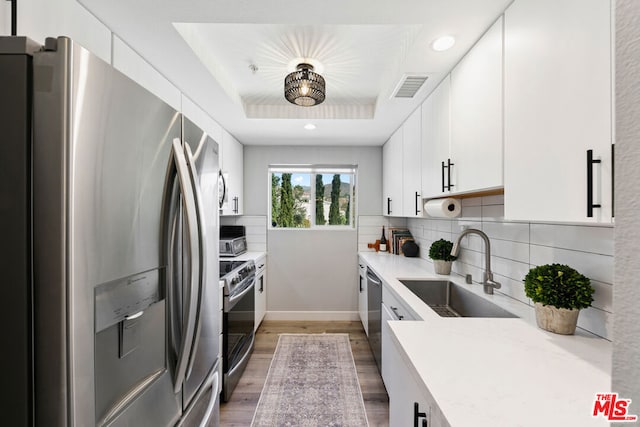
pixel 508 249
pixel 471 213
pixel 471 257
pixel 443 225
pixel 493 213
pixel 603 296
pixel 463 269
pixel 471 201
pixel 514 231
pixel 497 199
pixel 512 288
pixel 515 248
pixel 462 223
pixel 598 240
pixel 470 241
pixel 512 269
pixel 594 266
pixel 596 321
pixel 437 235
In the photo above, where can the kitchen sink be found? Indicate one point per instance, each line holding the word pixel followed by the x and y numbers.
pixel 451 300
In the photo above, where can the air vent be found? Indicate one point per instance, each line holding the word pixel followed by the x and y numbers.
pixel 409 85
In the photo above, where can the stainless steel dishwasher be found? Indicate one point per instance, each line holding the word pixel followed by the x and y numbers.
pixel 374 305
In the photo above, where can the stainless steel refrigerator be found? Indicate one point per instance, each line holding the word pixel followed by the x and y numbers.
pixel 108 204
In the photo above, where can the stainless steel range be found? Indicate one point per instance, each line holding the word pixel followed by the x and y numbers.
pixel 239 279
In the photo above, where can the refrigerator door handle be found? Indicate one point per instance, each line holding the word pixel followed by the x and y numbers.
pixel 215 391
pixel 202 270
pixel 192 223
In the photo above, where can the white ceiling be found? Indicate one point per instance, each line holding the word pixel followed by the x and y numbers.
pixel 362 48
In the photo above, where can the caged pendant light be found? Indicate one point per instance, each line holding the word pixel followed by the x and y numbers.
pixel 304 87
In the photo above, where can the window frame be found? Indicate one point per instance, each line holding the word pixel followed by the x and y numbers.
pixel 314 170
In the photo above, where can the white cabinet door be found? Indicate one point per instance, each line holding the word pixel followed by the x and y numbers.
pixel 260 291
pixel 411 170
pixel 403 389
pixel 233 170
pixel 557 106
pixel 392 175
pixel 476 115
pixel 435 140
pixel 362 295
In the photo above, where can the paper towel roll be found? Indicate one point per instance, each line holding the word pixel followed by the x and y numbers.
pixel 443 208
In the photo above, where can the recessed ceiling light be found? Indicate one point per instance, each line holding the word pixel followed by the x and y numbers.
pixel 443 43
pixel 309 126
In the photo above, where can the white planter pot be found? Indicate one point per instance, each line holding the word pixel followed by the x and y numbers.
pixel 557 320
pixel 442 267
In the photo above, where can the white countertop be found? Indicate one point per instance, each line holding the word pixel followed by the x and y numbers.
pixel 496 372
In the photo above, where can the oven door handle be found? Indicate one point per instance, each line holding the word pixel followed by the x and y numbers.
pixel 202 269
pixel 193 244
pixel 234 298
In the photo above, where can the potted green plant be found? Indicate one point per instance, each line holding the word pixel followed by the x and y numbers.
pixel 440 253
pixel 559 292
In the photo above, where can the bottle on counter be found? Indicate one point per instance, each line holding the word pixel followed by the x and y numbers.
pixel 383 242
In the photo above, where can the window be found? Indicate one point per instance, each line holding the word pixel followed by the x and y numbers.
pixel 314 197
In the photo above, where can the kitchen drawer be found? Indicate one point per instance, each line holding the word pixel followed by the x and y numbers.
pixel 396 305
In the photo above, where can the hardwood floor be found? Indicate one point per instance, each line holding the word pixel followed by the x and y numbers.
pixel 239 410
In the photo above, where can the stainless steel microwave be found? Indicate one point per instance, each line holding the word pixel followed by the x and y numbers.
pixel 232 247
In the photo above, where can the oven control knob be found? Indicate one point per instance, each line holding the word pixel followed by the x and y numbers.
pixel 234 281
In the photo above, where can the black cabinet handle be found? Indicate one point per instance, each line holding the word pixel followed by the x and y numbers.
pixel 395 311
pixel 448 168
pixel 449 184
pixel 590 204
pixel 417 415
pixel 388 205
pixel 613 177
pixel 417 198
pixel 261 285
pixel 236 204
pixel 360 282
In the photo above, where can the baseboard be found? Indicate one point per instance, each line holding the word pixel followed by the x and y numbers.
pixel 312 315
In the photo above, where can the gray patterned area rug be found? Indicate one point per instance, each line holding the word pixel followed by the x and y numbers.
pixel 312 381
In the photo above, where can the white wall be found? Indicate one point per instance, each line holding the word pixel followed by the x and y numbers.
pixel 312 273
pixel 626 298
pixel 5 18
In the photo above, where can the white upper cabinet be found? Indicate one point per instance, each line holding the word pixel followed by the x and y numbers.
pixel 392 175
pixel 476 115
pixel 557 107
pixel 411 170
pixel 401 169
pixel 232 166
pixel 435 140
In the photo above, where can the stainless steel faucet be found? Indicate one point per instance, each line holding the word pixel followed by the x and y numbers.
pixel 489 283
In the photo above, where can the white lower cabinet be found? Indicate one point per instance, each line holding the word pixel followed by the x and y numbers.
pixel 405 392
pixel 362 295
pixel 261 290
